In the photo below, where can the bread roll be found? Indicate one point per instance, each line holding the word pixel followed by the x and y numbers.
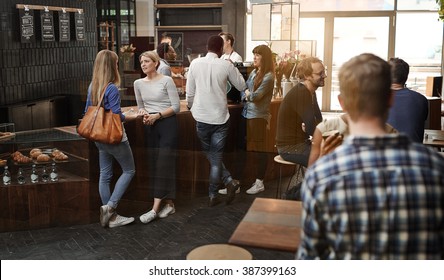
pixel 35 154
pixel 43 158
pixel 35 150
pixel 60 156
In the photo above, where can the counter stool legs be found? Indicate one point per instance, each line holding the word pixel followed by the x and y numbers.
pixel 298 172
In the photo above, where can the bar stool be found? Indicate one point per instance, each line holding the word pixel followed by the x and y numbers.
pixel 298 170
pixel 219 252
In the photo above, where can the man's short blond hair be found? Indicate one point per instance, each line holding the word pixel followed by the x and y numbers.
pixel 365 86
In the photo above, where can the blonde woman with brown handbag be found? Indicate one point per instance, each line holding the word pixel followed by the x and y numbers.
pixel 106 80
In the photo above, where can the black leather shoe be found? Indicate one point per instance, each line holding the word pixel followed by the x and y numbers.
pixel 213 201
pixel 231 191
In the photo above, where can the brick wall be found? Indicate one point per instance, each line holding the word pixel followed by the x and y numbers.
pixel 33 71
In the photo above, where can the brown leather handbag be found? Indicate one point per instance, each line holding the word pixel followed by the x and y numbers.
pixel 100 125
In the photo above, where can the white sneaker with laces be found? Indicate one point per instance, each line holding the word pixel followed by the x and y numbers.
pixel 120 221
pixel 105 215
pixel 148 216
pixel 166 210
pixel 224 191
pixel 257 187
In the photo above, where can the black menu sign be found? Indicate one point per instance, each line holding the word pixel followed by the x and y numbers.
pixel 47 26
pixel 27 33
pixel 79 23
pixel 64 27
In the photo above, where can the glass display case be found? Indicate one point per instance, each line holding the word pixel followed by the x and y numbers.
pixel 43 148
pixel 49 179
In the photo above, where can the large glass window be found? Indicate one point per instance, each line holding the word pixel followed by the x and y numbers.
pixel 346 5
pixel 353 36
pixel 424 58
pixel 408 29
pixel 417 5
pixel 314 30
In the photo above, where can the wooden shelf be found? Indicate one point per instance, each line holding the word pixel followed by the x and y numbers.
pixel 189 6
pixel 49 8
pixel 190 27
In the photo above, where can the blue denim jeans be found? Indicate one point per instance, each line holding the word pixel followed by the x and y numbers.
pixel 213 138
pixel 124 156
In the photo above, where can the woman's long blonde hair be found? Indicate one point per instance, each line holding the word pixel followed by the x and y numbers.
pixel 105 71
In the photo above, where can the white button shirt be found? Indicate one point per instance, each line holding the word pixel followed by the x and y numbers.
pixel 206 90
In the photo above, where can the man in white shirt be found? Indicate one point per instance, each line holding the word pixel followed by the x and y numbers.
pixel 206 96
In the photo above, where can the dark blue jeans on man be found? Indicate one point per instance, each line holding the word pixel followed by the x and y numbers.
pixel 213 138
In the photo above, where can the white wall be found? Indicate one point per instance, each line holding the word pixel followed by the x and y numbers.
pixel 145 18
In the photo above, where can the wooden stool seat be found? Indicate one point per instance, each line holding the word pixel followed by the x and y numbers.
pixel 280 160
pixel 219 252
pixel 298 169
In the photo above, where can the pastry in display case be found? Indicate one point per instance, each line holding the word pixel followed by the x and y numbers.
pixel 7 131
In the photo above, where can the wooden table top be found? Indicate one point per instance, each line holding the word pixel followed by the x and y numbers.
pixel 270 223
pixel 434 138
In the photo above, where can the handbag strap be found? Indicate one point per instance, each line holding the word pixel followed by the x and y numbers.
pixel 103 95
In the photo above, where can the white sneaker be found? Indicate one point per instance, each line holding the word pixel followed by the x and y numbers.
pixel 120 221
pixel 224 191
pixel 148 216
pixel 166 210
pixel 257 187
pixel 105 215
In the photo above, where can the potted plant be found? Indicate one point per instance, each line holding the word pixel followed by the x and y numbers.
pixel 127 56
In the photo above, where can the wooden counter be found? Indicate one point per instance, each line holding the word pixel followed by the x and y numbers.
pixel 75 199
pixel 192 166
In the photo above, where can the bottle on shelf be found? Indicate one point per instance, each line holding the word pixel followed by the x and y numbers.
pixel 6 176
pixel 21 176
pixel 45 175
pixel 34 175
pixel 54 175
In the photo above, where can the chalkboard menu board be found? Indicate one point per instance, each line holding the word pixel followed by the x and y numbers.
pixel 79 23
pixel 27 29
pixel 64 27
pixel 47 26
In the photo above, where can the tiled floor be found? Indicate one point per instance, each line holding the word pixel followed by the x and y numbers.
pixel 193 224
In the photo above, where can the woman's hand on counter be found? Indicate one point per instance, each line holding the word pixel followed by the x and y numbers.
pixel 130 115
pixel 142 112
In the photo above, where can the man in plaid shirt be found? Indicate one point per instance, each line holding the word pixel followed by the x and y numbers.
pixel 378 195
